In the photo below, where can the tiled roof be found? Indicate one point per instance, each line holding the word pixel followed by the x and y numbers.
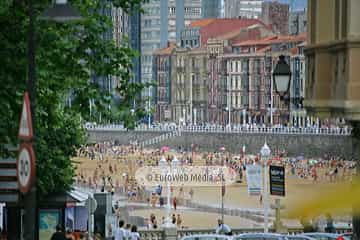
pixel 165 51
pixel 219 27
pixel 202 22
pixel 272 40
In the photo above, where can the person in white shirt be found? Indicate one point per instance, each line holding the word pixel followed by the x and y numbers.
pixel 127 231
pixel 120 231
pixel 134 235
pixel 223 228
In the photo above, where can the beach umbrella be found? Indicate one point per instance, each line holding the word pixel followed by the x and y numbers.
pixel 222 149
pixel 313 161
pixel 165 148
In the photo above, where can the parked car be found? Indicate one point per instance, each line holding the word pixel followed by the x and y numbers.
pixel 299 237
pixel 328 236
pixel 207 237
pixel 260 236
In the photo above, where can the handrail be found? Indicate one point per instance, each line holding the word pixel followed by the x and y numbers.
pixel 343 131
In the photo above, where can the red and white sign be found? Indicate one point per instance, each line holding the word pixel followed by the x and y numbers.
pixel 25 128
pixel 26 167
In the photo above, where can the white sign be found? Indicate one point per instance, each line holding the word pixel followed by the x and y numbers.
pixel 167 114
pixel 25 129
pixel 25 168
pixel 254 179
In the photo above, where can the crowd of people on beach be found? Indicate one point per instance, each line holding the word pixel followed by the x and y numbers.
pixel 117 164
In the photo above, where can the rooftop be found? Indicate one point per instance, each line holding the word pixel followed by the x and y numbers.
pixel 165 51
pixel 219 27
pixel 272 40
pixel 202 22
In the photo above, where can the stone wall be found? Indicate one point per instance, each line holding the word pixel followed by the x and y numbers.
pixel 308 145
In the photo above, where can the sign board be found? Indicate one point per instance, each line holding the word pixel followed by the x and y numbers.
pixel 8 181
pixel 91 204
pixel 25 128
pixel 25 167
pixel 167 114
pixel 277 180
pixel 254 179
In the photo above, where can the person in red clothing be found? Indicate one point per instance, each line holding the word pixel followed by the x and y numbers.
pixel 174 203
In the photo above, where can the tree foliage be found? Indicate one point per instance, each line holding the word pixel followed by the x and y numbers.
pixel 68 56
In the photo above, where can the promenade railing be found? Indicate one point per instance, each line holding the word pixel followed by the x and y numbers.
pixel 339 131
pixel 159 234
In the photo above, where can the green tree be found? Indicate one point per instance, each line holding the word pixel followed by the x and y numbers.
pixel 68 55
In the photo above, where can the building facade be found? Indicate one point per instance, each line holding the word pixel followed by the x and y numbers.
pixel 277 15
pixel 297 22
pixel 332 57
pixel 211 9
pixel 161 22
pixel 162 66
pixel 135 42
pixel 249 80
pixel 243 8
pixel 117 33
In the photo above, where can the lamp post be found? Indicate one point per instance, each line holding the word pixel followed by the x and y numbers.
pixel 168 170
pixel 282 79
pixel 222 149
pixel 60 11
pixel 149 107
pixel 229 116
pixel 265 154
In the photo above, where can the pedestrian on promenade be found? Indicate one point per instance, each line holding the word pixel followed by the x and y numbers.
pixel 174 203
pixel 223 228
pixel 120 231
pixel 134 235
pixel 178 221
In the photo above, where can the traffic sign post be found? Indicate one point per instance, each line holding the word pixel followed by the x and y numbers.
pixel 25 128
pixel 26 168
pixel 25 165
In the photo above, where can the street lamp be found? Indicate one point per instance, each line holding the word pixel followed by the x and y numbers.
pixel 282 79
pixel 229 116
pixel 167 170
pixel 265 154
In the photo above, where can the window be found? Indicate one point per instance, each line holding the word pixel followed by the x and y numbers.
pixel 172 10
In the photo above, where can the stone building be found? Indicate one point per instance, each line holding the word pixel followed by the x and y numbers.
pixel 202 64
pixel 162 62
pixel 189 85
pixel 248 82
pixel 332 57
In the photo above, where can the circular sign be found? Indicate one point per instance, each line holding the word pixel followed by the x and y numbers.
pixel 25 167
pixel 91 204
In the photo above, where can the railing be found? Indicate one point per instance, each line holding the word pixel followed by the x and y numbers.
pixel 187 232
pixel 160 138
pixel 234 129
pixel 159 234
pixel 151 234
